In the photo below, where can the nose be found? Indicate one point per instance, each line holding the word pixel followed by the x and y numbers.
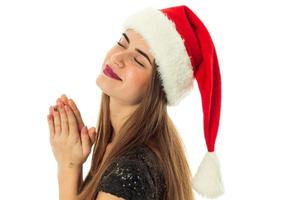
pixel 118 59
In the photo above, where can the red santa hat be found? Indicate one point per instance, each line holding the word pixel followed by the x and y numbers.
pixel 183 50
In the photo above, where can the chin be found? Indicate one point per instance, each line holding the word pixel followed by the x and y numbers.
pixel 105 85
pixel 101 82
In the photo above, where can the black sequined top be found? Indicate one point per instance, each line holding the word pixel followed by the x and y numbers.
pixel 135 175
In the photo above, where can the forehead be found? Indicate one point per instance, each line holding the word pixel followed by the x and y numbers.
pixel 138 41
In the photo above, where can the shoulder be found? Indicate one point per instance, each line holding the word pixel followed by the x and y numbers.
pixel 134 175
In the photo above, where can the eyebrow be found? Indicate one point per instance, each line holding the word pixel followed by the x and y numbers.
pixel 138 50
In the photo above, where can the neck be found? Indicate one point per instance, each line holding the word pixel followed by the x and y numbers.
pixel 119 112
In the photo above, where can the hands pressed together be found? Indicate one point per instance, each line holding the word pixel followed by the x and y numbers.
pixel 71 141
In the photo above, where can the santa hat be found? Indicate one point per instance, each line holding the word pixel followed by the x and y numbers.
pixel 183 50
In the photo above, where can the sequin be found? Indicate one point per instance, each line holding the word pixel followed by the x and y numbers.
pixel 134 176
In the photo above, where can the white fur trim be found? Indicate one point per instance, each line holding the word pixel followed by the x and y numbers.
pixel 208 179
pixel 168 49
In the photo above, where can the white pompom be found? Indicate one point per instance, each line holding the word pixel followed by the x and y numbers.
pixel 208 179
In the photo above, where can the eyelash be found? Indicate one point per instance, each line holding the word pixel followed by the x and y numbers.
pixel 134 57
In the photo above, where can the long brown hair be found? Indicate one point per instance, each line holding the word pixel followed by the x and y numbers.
pixel 149 124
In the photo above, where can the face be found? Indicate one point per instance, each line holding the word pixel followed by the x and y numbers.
pixel 126 59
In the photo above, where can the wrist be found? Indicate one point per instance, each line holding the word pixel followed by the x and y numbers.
pixel 66 170
pixel 69 166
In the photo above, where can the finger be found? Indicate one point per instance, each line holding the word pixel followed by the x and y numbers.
pixel 64 98
pixel 74 109
pixel 64 101
pixel 85 140
pixel 58 101
pixel 73 128
pixel 50 125
pixel 77 113
pixel 92 134
pixel 50 119
pixel 51 110
pixel 57 127
pixel 63 120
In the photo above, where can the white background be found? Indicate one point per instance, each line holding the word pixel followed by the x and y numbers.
pixel 48 48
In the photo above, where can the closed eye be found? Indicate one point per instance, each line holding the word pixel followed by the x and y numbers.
pixel 134 57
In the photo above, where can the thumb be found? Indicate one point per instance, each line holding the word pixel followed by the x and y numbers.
pixel 85 140
pixel 92 134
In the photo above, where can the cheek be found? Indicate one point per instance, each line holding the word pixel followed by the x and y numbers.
pixel 135 87
pixel 137 80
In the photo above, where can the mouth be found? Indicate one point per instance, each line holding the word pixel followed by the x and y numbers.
pixel 109 72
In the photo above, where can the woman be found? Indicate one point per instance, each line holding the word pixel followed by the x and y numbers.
pixel 138 153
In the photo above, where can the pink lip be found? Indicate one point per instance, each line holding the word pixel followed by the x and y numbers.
pixel 109 72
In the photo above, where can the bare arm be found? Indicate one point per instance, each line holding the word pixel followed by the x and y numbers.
pixel 107 196
pixel 80 179
pixel 68 180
